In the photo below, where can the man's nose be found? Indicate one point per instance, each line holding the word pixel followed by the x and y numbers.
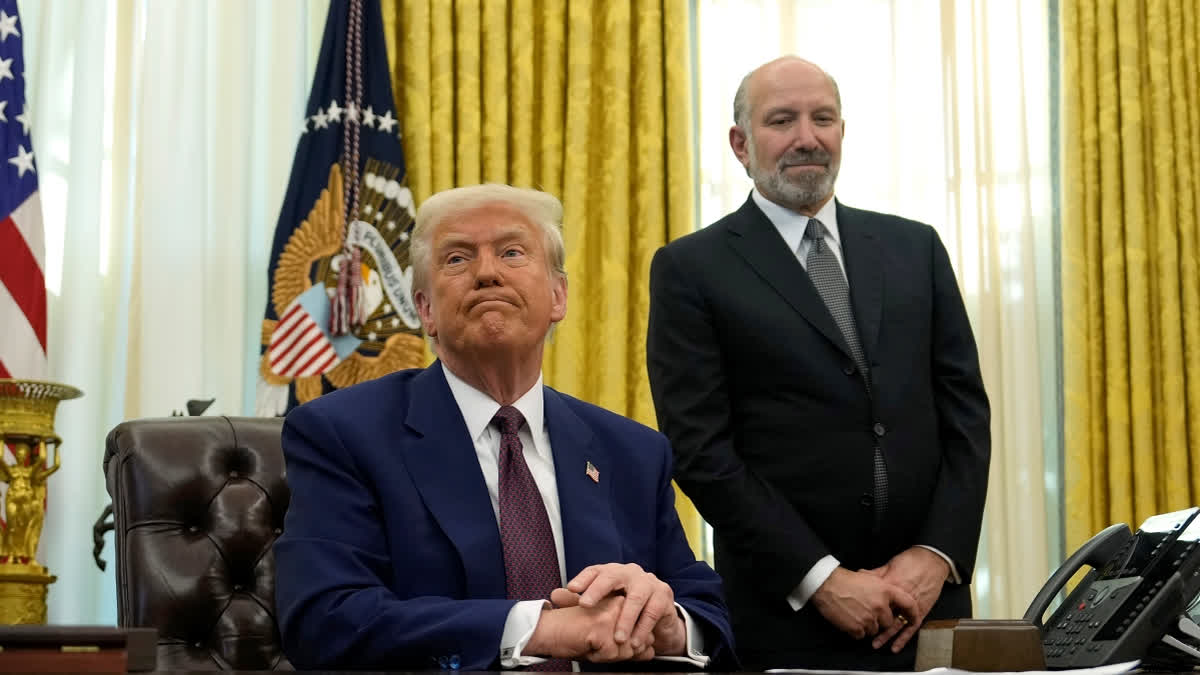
pixel 806 136
pixel 487 271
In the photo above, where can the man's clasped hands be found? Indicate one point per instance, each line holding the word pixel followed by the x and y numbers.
pixel 610 612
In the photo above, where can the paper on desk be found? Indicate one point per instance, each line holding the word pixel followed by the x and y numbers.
pixel 1114 669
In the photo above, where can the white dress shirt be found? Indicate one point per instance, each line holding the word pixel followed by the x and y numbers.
pixel 478 409
pixel 791 226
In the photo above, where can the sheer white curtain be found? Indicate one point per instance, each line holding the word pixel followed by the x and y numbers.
pixel 164 131
pixel 947 108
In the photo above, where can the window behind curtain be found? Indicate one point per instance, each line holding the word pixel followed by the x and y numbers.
pixel 948 109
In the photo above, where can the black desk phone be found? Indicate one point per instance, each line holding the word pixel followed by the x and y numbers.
pixel 1139 601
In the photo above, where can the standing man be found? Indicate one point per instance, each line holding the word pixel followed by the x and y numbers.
pixel 815 370
pixel 436 513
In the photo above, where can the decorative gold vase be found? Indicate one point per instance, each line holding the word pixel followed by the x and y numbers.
pixel 27 427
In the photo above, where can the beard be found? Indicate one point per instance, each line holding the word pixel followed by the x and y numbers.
pixel 795 192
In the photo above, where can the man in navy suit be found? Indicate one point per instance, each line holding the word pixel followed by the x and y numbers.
pixel 465 515
pixel 816 373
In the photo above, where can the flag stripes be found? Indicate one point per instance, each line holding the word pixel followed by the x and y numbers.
pixel 21 274
pixel 299 348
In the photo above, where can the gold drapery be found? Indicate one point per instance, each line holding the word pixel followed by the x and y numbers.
pixel 1131 287
pixel 590 102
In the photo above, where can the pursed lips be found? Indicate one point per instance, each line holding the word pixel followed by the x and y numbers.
pixel 475 303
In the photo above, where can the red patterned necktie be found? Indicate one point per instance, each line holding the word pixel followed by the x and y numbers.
pixel 530 558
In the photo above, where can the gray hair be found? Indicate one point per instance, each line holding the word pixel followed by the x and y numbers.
pixel 541 208
pixel 741 107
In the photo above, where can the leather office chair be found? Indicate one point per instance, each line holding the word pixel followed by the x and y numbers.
pixel 197 505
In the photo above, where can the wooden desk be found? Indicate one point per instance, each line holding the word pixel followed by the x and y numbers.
pixel 77 649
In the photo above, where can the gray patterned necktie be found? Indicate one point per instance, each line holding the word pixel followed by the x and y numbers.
pixel 826 275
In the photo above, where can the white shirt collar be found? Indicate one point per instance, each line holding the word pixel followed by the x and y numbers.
pixel 478 408
pixel 791 225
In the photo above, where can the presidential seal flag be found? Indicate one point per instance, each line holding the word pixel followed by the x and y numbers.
pixel 340 306
pixel 22 251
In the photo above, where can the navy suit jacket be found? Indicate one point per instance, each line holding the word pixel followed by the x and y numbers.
pixel 391 558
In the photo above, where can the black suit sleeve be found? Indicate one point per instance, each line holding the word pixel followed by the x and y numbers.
pixel 956 508
pixel 691 396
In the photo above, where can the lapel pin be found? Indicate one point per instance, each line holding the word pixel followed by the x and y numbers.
pixel 593 472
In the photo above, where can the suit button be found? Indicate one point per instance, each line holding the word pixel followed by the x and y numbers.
pixel 849 370
pixel 879 429
pixel 865 501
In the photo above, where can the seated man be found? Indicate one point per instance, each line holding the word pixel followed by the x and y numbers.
pixel 437 514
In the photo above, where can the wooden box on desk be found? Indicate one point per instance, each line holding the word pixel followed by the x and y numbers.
pixel 980 645
pixel 76 649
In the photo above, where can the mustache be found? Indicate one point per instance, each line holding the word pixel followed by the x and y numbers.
pixel 801 157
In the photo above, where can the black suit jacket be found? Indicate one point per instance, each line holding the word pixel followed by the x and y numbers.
pixel 774 429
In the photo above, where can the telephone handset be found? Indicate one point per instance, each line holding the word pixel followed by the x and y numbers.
pixel 1137 602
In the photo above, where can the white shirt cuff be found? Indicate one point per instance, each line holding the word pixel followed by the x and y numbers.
pixel 954 577
pixel 518 629
pixel 693 650
pixel 816 576
pixel 522 621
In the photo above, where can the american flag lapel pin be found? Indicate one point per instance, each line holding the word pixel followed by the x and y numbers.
pixel 593 472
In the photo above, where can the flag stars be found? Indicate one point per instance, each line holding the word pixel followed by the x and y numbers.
pixel 6 69
pixel 23 118
pixel 386 122
pixel 8 25
pixel 404 236
pixel 3 118
pixel 327 117
pixel 395 322
pixel 23 161
pixel 391 225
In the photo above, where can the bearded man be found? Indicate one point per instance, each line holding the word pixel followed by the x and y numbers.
pixel 816 373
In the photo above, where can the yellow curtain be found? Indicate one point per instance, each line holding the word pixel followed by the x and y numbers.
pixel 588 101
pixel 1131 287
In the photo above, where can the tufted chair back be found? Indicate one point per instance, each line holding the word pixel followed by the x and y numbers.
pixel 197 505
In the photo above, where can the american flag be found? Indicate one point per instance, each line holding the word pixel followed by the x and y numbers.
pixel 22 252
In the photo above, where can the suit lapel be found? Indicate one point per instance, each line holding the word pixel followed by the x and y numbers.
pixel 863 254
pixel 755 239
pixel 589 535
pixel 446 472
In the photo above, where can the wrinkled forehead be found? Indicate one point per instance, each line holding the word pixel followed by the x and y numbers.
pixel 793 82
pixel 483 224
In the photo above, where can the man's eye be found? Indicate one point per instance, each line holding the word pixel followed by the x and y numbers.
pixel 455 259
pixel 512 253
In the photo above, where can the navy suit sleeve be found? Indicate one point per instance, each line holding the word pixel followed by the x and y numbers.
pixel 696 586
pixel 336 609
pixel 688 383
pixel 956 506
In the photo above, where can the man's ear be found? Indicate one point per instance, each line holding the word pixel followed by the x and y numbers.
pixel 737 141
pixel 558 298
pixel 425 311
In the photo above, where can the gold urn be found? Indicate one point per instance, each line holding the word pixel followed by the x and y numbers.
pixel 27 427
